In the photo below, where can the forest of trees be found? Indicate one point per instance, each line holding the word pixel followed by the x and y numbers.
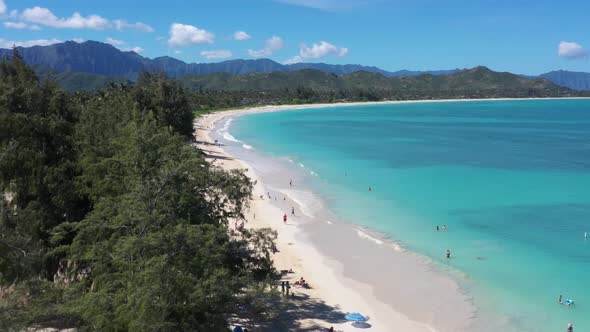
pixel 110 220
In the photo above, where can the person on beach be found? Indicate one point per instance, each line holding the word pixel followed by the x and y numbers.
pixel 448 253
pixel 285 218
pixel 331 329
pixel 291 183
pixel 292 211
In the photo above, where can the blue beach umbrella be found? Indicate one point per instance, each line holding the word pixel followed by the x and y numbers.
pixel 237 329
pixel 356 317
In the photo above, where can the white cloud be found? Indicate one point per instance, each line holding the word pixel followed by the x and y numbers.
pixel 2 7
pixel 317 51
pixel 241 35
pixel 115 42
pixel 135 49
pixel 330 5
pixel 139 26
pixel 216 54
pixel 15 25
pixel 27 43
pixel 44 16
pixel 20 26
pixel 184 34
pixel 571 50
pixel 122 45
pixel 270 45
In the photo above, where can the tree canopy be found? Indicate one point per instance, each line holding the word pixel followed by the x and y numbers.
pixel 110 220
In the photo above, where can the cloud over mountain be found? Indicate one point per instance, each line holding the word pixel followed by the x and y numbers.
pixel 317 51
pixel 185 34
pixel 572 50
pixel 271 45
pixel 216 54
pixel 241 35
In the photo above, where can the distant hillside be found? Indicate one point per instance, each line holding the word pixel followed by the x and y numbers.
pixel 476 80
pixel 570 79
pixel 93 64
pixel 76 81
pixel 104 59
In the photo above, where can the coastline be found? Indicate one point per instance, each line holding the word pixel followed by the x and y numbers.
pixel 346 291
pixel 303 258
pixel 283 107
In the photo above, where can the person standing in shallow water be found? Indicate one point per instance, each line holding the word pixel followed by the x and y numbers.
pixel 437 228
pixel 448 253
pixel 570 327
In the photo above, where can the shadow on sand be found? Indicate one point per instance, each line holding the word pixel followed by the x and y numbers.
pixel 299 310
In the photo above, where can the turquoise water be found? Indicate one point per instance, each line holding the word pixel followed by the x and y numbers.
pixel 510 180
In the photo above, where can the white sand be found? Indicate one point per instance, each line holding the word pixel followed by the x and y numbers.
pixel 303 258
pixel 330 287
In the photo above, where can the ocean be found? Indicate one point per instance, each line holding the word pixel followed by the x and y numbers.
pixel 510 181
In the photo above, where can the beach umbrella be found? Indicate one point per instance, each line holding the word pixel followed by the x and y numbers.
pixel 237 329
pixel 356 317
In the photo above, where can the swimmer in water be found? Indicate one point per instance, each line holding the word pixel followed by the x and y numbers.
pixel 370 189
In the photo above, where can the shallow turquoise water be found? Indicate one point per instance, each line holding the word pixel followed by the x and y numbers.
pixel 510 179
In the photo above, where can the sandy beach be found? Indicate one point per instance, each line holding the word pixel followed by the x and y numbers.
pixel 405 294
pixel 327 288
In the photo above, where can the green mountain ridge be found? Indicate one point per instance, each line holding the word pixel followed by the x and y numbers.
pixel 476 82
pixel 77 81
pixel 92 57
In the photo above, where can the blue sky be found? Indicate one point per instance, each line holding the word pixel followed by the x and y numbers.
pixel 521 36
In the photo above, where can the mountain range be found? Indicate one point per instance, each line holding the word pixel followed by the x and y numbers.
pixel 475 81
pixel 104 59
pixel 99 63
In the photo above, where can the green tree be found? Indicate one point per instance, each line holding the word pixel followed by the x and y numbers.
pixel 167 99
pixel 111 221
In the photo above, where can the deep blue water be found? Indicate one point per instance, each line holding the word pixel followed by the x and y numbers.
pixel 510 179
